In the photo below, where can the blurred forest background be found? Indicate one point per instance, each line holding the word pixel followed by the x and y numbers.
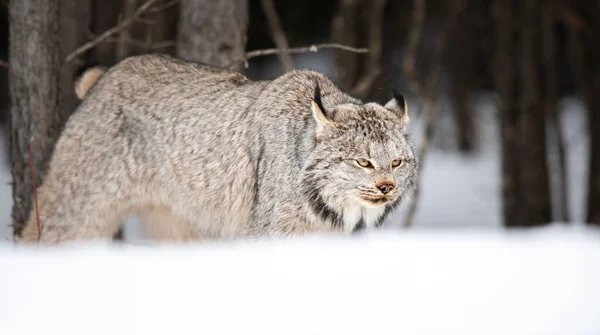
pixel 529 61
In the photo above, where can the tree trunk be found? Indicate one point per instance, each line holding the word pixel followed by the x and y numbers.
pixel 505 80
pixel 105 16
pixel 34 64
pixel 558 166
pixel 75 16
pixel 593 201
pixel 122 47
pixel 593 74
pixel 277 34
pixel 345 30
pixel 466 67
pixel 464 114
pixel 533 158
pixel 164 30
pixel 584 52
pixel 213 32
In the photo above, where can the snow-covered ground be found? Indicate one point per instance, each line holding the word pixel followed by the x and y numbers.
pixel 463 282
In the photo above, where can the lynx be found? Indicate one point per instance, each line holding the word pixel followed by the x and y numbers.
pixel 204 153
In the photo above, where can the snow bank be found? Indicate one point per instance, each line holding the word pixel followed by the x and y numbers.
pixel 386 282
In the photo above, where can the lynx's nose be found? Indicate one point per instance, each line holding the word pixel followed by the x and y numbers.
pixel 386 188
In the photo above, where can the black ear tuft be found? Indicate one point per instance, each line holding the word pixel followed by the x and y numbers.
pixel 317 98
pixel 398 97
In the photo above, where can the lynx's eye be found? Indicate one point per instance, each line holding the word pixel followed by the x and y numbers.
pixel 364 163
pixel 396 162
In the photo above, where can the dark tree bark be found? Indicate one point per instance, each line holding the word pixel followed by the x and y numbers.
pixel 525 182
pixel 593 74
pixel 105 16
pixel 164 29
pixel 345 30
pixel 34 64
pixel 505 80
pixel 468 69
pixel 533 159
pixel 464 115
pixel 75 16
pixel 584 52
pixel 123 45
pixel 213 32
pixel 558 166
pixel 397 17
pixel 372 63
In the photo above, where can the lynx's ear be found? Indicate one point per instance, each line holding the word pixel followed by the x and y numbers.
pixel 399 106
pixel 318 112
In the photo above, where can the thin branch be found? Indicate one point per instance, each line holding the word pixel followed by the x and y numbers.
pixel 373 62
pixel 277 34
pixel 429 93
pixel 112 31
pixel 299 50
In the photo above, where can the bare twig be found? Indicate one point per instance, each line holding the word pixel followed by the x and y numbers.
pixel 277 34
pixel 297 50
pixel 373 62
pixel 112 31
pixel 428 97
pixel 312 48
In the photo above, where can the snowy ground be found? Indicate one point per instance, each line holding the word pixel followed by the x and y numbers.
pixel 418 282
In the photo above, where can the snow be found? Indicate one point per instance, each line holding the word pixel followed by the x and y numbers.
pixel 542 281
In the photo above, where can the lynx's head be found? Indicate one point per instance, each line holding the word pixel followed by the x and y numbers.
pixel 363 164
